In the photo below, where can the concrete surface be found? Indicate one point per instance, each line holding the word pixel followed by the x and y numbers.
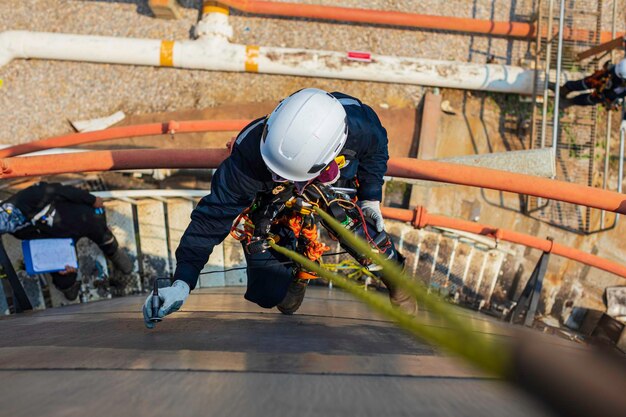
pixel 74 91
pixel 537 162
pixel 224 356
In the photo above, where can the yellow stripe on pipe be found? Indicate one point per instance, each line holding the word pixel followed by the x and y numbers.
pixel 252 58
pixel 167 53
pixel 214 7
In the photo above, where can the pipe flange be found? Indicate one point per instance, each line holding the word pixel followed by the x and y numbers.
pixel 172 128
pixel 5 167
pixel 214 25
pixel 420 217
pixel 497 236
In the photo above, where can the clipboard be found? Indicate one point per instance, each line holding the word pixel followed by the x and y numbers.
pixel 49 255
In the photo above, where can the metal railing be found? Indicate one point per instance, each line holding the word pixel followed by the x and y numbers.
pixel 573 133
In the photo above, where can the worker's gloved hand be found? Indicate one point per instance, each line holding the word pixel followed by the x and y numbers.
pixel 371 209
pixel 623 125
pixel 172 299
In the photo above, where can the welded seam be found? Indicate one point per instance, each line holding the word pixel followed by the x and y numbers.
pixel 230 371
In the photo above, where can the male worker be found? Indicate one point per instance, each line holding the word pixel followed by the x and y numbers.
pixel 607 85
pixel 297 144
pixel 52 210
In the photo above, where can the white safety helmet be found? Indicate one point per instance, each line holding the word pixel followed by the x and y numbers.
pixel 304 134
pixel 620 69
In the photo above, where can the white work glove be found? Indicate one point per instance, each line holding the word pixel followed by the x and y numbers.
pixel 623 125
pixel 172 299
pixel 371 209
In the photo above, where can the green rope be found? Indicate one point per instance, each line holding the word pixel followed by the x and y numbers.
pixel 459 337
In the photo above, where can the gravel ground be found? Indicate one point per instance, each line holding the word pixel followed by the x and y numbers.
pixel 41 96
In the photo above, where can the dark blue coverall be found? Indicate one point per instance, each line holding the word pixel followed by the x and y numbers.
pixel 73 216
pixel 609 95
pixel 239 178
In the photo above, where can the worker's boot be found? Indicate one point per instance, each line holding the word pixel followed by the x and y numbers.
pixel 67 283
pixel 121 261
pixel 398 296
pixel 401 298
pixel 295 294
pixel 565 103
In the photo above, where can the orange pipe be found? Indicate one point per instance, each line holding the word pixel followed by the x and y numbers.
pixel 397 167
pixel 383 17
pixel 111 160
pixel 170 127
pixel 507 181
pixel 421 218
pixel 211 158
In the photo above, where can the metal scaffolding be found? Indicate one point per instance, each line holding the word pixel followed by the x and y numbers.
pixel 581 154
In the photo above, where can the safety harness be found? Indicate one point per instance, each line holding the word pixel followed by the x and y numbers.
pixel 294 214
pixel 601 81
pixel 289 207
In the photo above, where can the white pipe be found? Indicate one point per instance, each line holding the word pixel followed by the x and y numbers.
pixel 468 262
pixel 151 194
pixel 402 70
pixel 497 269
pixel 451 261
pixel 66 47
pixel 480 239
pixel 214 52
pixel 435 255
pixel 620 172
pixel 481 274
